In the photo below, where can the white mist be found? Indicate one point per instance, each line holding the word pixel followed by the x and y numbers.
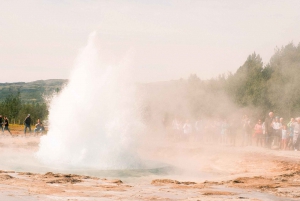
pixel 95 120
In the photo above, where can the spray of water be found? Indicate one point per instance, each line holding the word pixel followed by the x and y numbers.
pixel 95 120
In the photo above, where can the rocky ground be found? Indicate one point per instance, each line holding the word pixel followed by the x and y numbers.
pixel 236 173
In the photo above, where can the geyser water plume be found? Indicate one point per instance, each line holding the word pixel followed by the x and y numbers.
pixel 95 120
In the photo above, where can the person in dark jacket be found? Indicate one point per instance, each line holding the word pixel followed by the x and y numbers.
pixel 6 124
pixel 27 123
pixel 269 130
pixel 1 123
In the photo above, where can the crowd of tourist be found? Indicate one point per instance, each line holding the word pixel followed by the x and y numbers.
pixel 39 127
pixel 272 132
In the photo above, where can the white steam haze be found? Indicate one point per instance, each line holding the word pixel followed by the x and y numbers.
pixel 95 120
pixel 172 39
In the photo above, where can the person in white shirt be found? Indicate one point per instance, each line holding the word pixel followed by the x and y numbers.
pixel 187 128
pixel 277 131
pixel 176 126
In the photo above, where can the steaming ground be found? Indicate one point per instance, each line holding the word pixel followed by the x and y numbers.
pixel 167 159
pixel 186 160
pixel 191 171
pixel 175 159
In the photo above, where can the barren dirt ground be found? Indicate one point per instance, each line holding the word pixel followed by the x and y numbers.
pixel 236 173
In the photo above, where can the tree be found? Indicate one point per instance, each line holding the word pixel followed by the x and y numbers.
pixel 247 84
pixel 284 83
pixel 11 105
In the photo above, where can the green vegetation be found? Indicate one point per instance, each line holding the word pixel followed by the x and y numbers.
pixel 254 89
pixel 19 99
pixel 275 86
pixel 16 111
pixel 31 92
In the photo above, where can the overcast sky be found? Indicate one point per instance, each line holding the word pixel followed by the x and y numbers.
pixel 40 39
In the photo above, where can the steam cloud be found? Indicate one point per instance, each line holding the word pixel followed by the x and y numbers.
pixel 95 120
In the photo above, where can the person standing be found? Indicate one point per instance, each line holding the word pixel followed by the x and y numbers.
pixel 187 129
pixel 176 128
pixel 296 134
pixel 281 123
pixel 291 133
pixel 27 123
pixel 247 131
pixel 283 137
pixel 269 130
pixel 6 124
pixel 224 132
pixel 263 126
pixel 258 133
pixel 276 132
pixel 1 123
pixel 233 129
pixel 198 127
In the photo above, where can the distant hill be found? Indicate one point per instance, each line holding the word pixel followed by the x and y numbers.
pixel 36 91
pixel 32 91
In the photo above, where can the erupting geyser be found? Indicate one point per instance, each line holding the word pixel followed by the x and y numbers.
pixel 95 120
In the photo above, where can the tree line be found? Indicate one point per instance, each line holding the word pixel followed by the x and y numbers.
pixel 255 88
pixel 16 110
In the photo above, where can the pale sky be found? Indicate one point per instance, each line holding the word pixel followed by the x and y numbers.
pixel 40 39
